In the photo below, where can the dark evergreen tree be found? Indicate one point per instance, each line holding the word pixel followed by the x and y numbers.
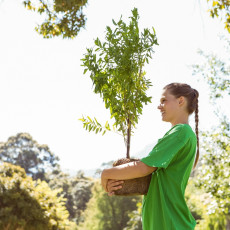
pixel 22 150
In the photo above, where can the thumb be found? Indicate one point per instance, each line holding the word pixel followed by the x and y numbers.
pixel 110 193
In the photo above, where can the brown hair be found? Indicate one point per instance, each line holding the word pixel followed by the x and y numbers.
pixel 180 89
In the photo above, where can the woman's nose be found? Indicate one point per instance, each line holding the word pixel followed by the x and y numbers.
pixel 159 106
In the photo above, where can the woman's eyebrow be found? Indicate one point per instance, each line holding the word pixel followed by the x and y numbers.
pixel 162 98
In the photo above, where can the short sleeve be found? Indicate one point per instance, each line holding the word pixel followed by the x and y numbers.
pixel 166 148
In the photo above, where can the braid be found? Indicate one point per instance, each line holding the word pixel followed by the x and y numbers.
pixel 197 132
pixel 180 89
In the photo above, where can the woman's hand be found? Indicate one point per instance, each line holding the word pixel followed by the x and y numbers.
pixel 104 183
pixel 123 172
pixel 113 185
pixel 110 185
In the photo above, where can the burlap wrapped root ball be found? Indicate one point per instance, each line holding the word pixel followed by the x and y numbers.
pixel 131 187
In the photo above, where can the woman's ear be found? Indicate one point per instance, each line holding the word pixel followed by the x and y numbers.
pixel 181 100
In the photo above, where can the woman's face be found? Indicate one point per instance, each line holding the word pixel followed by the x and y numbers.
pixel 169 106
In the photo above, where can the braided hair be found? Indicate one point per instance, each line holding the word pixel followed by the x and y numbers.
pixel 181 89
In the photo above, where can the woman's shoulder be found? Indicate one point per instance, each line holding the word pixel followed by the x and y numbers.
pixel 182 131
pixel 181 127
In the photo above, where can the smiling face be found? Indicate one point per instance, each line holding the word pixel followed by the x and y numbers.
pixel 172 109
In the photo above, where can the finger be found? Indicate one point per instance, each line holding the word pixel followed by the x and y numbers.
pixel 115 183
pixel 110 193
pixel 117 187
pixel 111 189
pixel 113 180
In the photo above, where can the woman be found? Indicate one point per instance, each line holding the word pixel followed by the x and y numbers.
pixel 170 162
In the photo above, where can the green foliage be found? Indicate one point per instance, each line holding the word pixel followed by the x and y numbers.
pixel 193 197
pixel 116 70
pixel 214 171
pixel 216 72
pixel 76 190
pixel 197 201
pixel 107 213
pixel 135 222
pixel 22 150
pixel 93 125
pixel 29 205
pixel 62 17
pixel 221 8
pixel 213 175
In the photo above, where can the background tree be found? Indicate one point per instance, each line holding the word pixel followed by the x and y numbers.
pixel 62 17
pixel 220 8
pixel 29 205
pixel 213 174
pixel 22 150
pixel 108 213
pixel 135 222
pixel 116 70
pixel 75 189
pixel 215 71
pixel 65 17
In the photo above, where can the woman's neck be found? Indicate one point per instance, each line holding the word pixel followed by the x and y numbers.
pixel 180 120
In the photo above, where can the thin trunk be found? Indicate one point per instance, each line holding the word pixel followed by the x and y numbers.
pixel 228 222
pixel 128 138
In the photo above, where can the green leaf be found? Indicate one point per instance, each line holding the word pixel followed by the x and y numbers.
pixel 96 42
pixel 89 119
pixel 103 132
pixel 96 121
pixel 114 22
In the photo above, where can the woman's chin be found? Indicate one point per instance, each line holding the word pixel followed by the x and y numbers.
pixel 164 119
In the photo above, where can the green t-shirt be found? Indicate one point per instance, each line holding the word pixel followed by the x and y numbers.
pixel 164 207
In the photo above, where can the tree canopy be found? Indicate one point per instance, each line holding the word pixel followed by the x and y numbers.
pixel 215 71
pixel 214 171
pixel 63 18
pixel 108 213
pixel 116 70
pixel 30 205
pixel 75 189
pixel 22 150
pixel 220 8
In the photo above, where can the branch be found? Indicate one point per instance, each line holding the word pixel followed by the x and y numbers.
pixel 93 125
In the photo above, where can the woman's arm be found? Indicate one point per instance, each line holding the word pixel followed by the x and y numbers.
pixel 126 171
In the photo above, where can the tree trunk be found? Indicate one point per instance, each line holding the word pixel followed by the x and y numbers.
pixel 128 138
pixel 228 222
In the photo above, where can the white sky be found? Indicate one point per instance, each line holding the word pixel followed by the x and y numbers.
pixel 43 90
